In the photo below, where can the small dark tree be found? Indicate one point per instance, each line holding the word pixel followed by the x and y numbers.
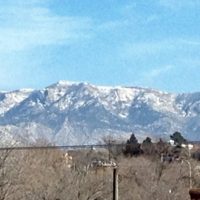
pixel 147 146
pixel 178 138
pixel 133 139
pixel 147 141
pixel 132 146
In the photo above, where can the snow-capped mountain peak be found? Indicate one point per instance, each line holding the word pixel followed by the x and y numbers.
pixel 76 113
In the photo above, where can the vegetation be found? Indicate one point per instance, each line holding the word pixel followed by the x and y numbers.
pixel 178 138
pixel 196 155
pixel 49 174
pixel 133 148
pixel 148 147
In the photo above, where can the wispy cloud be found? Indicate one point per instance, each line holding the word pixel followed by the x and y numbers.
pixel 29 25
pixel 150 76
pixel 179 4
pixel 138 49
pixel 191 42
pixel 112 25
pixel 158 71
pixel 152 18
pixel 141 49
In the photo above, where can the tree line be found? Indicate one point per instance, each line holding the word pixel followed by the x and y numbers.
pixel 149 148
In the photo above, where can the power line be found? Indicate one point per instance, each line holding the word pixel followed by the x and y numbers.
pixel 61 147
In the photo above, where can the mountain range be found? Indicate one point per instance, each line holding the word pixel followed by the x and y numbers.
pixel 71 113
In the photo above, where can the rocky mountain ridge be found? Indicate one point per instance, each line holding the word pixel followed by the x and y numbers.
pixel 82 113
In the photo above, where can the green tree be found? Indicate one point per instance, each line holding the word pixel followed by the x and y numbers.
pixel 132 146
pixel 178 138
pixel 147 141
pixel 148 147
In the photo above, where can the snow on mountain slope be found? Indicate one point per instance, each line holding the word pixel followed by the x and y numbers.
pixel 81 113
pixel 11 99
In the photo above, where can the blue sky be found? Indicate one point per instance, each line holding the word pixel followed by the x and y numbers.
pixel 148 43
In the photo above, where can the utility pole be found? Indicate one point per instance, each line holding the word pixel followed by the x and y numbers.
pixel 115 183
pixel 114 166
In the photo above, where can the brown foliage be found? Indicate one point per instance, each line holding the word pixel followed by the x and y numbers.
pixel 44 174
